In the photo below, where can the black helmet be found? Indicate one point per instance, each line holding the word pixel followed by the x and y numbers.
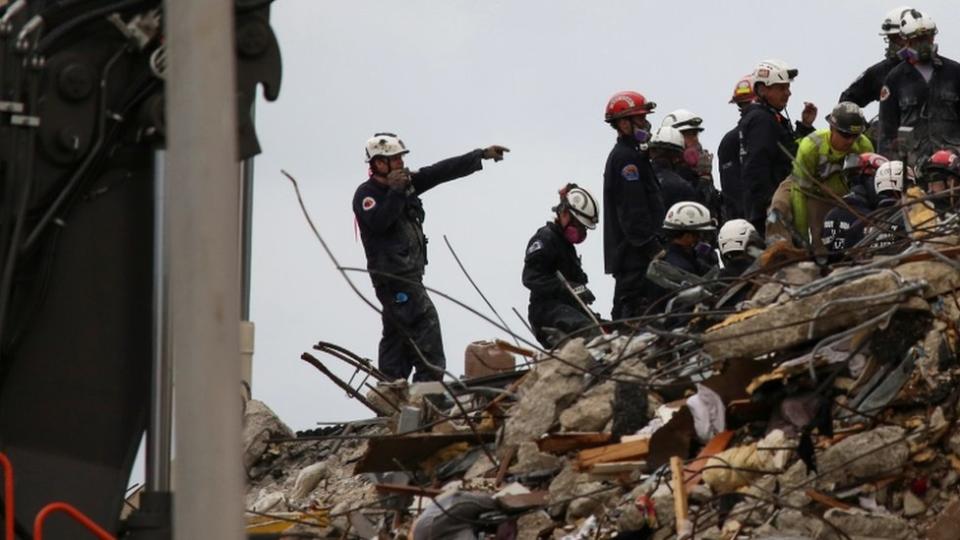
pixel 847 118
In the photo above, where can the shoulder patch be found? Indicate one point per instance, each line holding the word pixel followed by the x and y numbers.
pixel 368 203
pixel 534 247
pixel 884 93
pixel 630 173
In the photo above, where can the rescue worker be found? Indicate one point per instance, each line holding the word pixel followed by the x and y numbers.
pixel 866 88
pixel 940 179
pixel 728 155
pixel 632 204
pixel 818 177
pixel 739 245
pixel 697 164
pixel 666 155
pixel 885 227
pixel 684 227
pixel 922 93
pixel 682 266
pixel 390 216
pixel 843 227
pixel 553 311
pixel 767 140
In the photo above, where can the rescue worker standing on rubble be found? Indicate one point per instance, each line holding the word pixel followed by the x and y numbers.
pixel 922 93
pixel 818 177
pixel 697 164
pixel 666 155
pixel 866 88
pixel 554 312
pixel 767 140
pixel 632 204
pixel 390 217
pixel 843 225
pixel 728 155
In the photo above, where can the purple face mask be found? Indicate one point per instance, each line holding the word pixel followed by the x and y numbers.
pixel 641 135
pixel 574 234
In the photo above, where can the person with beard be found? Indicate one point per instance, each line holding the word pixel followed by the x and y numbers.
pixel 866 88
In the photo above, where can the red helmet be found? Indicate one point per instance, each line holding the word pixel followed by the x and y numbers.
pixel 627 103
pixel 945 160
pixel 869 163
pixel 743 91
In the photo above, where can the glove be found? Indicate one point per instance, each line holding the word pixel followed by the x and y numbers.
pixel 585 295
pixel 705 164
pixel 495 152
pixel 399 179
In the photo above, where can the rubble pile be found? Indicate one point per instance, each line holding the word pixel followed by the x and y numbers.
pixel 825 406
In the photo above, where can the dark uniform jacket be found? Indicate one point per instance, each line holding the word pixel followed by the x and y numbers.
pixel 634 209
pixel 673 187
pixel 931 109
pixel 866 89
pixel 842 229
pixel 547 252
pixel 763 163
pixel 731 187
pixel 391 221
pixel 686 259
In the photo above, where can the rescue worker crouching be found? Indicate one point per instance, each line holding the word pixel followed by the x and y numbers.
pixel 843 226
pixel 739 245
pixel 940 179
pixel 553 312
pixel 687 259
pixel 390 216
pixel 818 177
pixel 632 204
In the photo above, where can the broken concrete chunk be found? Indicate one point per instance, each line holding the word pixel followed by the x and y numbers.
pixel 863 525
pixel 912 505
pixel 530 458
pixel 308 479
pixel 531 525
pixel 592 411
pixel 556 385
pixel 271 501
pixel 861 456
pixel 260 424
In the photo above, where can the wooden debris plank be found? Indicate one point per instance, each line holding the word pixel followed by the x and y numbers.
pixel 618 467
pixel 628 451
pixel 506 456
pixel 561 443
pixel 680 507
pixel 827 500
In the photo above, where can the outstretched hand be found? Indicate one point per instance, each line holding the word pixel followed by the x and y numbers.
pixel 495 152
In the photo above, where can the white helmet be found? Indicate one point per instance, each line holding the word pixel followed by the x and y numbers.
pixel 891 23
pixel 581 204
pixel 386 145
pixel 668 138
pixel 688 216
pixel 913 23
pixel 891 176
pixel 771 72
pixel 683 120
pixel 735 235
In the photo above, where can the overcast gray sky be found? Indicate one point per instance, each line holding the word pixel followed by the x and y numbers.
pixel 449 76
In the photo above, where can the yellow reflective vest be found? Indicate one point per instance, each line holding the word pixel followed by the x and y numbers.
pixel 817 163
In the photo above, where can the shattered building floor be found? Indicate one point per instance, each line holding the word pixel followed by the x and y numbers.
pixel 825 407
